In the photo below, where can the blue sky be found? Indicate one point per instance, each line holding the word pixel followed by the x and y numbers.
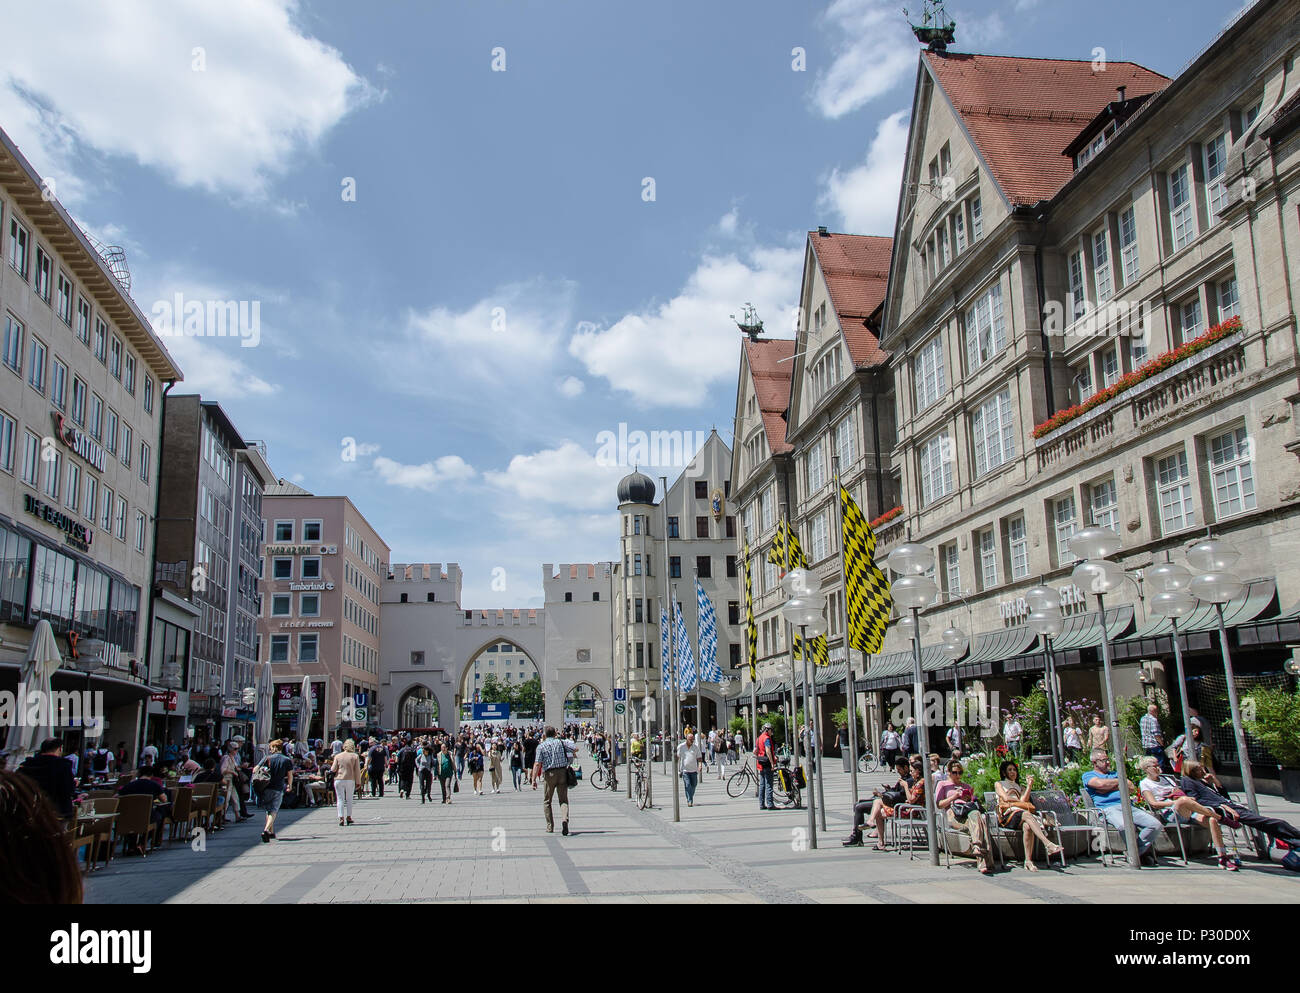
pixel 499 291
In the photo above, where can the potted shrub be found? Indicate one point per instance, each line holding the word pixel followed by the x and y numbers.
pixel 1275 724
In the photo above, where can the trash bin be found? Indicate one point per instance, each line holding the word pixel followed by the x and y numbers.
pixel 846 759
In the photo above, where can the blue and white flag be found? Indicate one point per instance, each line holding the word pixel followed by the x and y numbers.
pixel 665 657
pixel 685 657
pixel 708 640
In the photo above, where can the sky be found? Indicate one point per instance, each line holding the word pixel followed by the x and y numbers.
pixel 472 235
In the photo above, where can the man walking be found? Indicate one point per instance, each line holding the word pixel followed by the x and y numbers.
pixel 552 765
pixel 765 760
pixel 376 765
pixel 1013 733
pixel 1153 741
pixel 911 738
pixel 688 760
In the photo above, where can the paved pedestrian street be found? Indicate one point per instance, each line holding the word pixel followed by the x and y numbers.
pixel 494 848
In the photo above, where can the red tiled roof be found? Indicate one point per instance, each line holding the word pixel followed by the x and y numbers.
pixel 1022 113
pixel 856 270
pixel 772 385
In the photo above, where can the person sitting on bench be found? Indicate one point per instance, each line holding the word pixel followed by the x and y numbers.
pixel 1205 788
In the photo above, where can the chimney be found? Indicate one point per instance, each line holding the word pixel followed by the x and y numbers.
pixel 1121 93
pixel 821 230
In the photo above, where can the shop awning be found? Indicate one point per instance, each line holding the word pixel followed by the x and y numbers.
pixel 895 668
pixel 997 646
pixel 1283 629
pixel 828 674
pixel 767 688
pixel 1260 596
pixel 1082 630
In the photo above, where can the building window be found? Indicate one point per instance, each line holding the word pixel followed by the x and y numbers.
pixel 311 531
pixel 125 453
pixel 729 523
pixel 1078 293
pixel 307 646
pixel 36 368
pixel 101 340
pixel 139 531
pixel 144 462
pixel 815 468
pixel 1190 323
pixel 110 432
pixel 1182 218
pixel 148 394
pixel 1216 188
pixel 821 537
pixel 128 374
pixel 52 469
pixel 72 491
pixel 732 570
pixel 309 605
pixel 78 401
pixel 993 430
pixel 1174 489
pixel 704 566
pixel 279 648
pixel 83 321
pixel 92 493
pixel 1109 367
pixel 58 384
pixel 282 568
pixel 672 528
pixel 18 247
pixel 96 425
pixel 115 357
pixel 8 436
pixel 1018 546
pixel 1128 247
pixel 675 567
pixel 927 370
pixel 311 568
pixel 1065 520
pixel 988 559
pixel 936 469
pixel 1228 303
pixel 1101 266
pixel 119 520
pixel 31 460
pixel 283 531
pixel 281 604
pixel 986 334
pixel 701 489
pixel 1103 504
pixel 43 278
pixel 845 447
pixel 1232 474
pixel 977 219
pixel 701 527
pixel 13 353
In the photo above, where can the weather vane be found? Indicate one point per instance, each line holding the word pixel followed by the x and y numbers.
pixel 750 323
pixel 936 30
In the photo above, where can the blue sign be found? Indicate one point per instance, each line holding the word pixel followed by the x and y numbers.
pixel 360 699
pixel 491 712
pixel 620 693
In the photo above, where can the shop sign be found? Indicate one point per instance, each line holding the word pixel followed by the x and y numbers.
pixel 311 587
pixel 1017 611
pixel 80 442
pixel 286 697
pixel 168 699
pixel 227 711
pixel 75 533
pixel 300 550
pixel 307 624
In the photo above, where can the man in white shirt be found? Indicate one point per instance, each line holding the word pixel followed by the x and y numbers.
pixel 688 760
pixel 1012 732
pixel 149 755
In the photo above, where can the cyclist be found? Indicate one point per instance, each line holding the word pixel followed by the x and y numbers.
pixel 765 760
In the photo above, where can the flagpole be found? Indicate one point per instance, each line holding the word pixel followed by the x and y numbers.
pixel 749 646
pixel 699 664
pixel 789 630
pixel 850 693
pixel 663 482
pixel 677 717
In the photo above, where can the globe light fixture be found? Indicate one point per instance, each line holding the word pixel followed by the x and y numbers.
pixel 1211 558
pixel 1042 598
pixel 800 582
pixel 1095 542
pixel 910 559
pixel 914 592
pixel 1046 623
pixel 806 611
pixel 909 627
pixel 1098 576
pixel 955 643
pixel 1169 577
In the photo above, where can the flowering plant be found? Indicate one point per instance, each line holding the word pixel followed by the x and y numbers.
pixel 1144 372
pixel 885 518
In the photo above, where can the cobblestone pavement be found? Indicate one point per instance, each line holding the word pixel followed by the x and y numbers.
pixel 494 848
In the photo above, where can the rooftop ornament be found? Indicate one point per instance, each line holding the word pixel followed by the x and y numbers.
pixel 936 31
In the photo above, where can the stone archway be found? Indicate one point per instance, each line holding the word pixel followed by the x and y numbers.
pixel 510 665
pixel 417 707
pixel 583 702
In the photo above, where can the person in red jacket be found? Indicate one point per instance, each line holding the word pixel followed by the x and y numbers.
pixel 765 759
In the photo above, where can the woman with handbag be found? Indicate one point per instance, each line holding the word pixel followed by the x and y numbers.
pixel 957 799
pixel 1016 812
pixel 230 783
pixel 475 758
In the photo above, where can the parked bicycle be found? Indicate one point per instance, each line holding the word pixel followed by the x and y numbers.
pixel 868 761
pixel 640 785
pixel 742 781
pixel 604 776
pixel 787 785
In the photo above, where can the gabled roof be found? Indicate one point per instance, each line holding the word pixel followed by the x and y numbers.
pixel 1023 113
pixel 771 378
pixel 856 270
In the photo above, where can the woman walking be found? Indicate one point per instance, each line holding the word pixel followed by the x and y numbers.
pixel 424 766
pixel 517 763
pixel 347 779
pixel 475 759
pixel 494 765
pixel 1073 740
pixel 446 772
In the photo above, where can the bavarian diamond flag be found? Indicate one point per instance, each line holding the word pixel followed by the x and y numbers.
pixel 708 639
pixel 665 657
pixel 685 660
pixel 869 600
pixel 751 628
pixel 787 553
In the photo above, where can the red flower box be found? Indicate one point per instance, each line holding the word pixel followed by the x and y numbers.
pixel 1144 372
pixel 885 518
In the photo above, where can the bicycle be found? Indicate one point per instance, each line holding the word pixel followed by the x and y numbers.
pixel 868 761
pixel 640 785
pixel 740 781
pixel 604 777
pixel 785 787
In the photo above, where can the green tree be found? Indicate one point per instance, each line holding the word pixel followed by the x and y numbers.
pixel 529 699
pixel 1274 721
pixel 495 691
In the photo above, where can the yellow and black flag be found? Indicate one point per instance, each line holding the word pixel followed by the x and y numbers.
pixel 751 628
pixel 869 600
pixel 787 553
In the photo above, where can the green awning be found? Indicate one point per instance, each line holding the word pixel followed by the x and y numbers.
pixel 1259 598
pixel 1004 643
pixel 1082 631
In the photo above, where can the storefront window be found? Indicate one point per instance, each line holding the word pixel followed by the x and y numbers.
pixel 15 571
pixel 53 578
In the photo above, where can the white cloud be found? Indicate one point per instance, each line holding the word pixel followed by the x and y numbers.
pixel 866 197
pixel 427 476
pixel 518 326
pixel 119 80
pixel 875 53
pixel 571 386
pixel 568 475
pixel 213 367
pixel 670 354
pixel 727 225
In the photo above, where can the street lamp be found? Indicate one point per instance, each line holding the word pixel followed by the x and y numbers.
pixel 1174 601
pixel 1096 573
pixel 1213 583
pixel 1045 620
pixel 912 591
pixel 806 610
pixel 955 646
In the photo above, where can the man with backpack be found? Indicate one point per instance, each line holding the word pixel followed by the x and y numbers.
pixel 405 769
pixel 376 764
